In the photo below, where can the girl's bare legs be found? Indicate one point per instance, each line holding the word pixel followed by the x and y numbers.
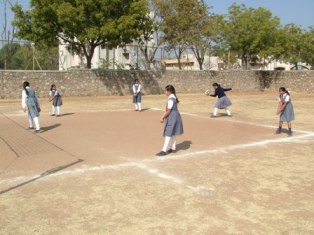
pixel 279 128
pixel 289 126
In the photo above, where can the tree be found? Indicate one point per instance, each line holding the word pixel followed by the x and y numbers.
pixel 46 57
pixel 7 37
pixel 294 45
pixel 307 52
pixel 289 43
pixel 22 57
pixel 204 35
pixel 6 55
pixel 200 33
pixel 82 24
pixel 251 32
pixel 179 17
pixel 149 30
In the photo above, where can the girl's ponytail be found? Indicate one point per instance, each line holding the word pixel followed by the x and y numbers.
pixel 25 84
pixel 172 90
pixel 284 90
pixel 53 85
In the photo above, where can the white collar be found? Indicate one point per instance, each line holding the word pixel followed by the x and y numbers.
pixel 171 96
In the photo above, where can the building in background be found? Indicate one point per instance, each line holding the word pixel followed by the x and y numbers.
pixel 104 57
pixel 130 57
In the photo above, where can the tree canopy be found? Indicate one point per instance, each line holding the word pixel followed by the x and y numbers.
pixel 250 31
pixel 307 51
pixel 180 21
pixel 82 24
pixel 28 57
pixel 246 33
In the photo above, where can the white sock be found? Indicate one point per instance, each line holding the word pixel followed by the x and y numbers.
pixel 30 122
pixel 166 144
pixel 173 143
pixel 228 111
pixel 36 122
pixel 53 110
pixel 215 111
pixel 58 110
pixel 135 106
pixel 139 106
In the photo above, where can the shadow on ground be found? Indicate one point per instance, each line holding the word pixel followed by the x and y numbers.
pixel 42 175
pixel 48 128
pixel 184 145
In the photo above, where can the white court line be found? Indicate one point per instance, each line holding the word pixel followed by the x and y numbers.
pixel 78 171
pixel 156 172
pixel 199 189
pixel 140 164
pixel 228 119
pixel 295 139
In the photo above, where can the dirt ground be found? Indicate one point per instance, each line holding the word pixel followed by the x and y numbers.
pixel 93 170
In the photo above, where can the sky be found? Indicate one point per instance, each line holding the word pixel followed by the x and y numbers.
pixel 299 12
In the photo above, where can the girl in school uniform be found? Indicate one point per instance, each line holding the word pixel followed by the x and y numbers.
pixel 55 97
pixel 31 104
pixel 223 101
pixel 172 122
pixel 137 95
pixel 285 109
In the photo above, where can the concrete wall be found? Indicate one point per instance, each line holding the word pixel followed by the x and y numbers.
pixel 112 82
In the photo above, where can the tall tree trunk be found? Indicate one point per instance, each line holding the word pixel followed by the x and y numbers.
pixel 89 55
pixel 199 55
pixel 179 63
pixel 178 55
pixel 201 66
pixel 245 62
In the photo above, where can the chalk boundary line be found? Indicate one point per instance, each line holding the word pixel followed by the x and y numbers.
pixel 140 164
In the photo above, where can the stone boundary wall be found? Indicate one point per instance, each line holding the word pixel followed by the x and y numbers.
pixel 113 82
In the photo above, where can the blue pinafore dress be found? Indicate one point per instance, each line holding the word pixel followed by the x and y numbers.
pixel 32 103
pixel 287 114
pixel 138 97
pixel 173 124
pixel 57 99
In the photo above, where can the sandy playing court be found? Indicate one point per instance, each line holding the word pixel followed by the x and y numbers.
pixel 94 170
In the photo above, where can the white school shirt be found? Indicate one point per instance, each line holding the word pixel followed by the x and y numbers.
pixel 138 88
pixel 24 96
pixel 285 98
pixel 170 102
pixel 56 93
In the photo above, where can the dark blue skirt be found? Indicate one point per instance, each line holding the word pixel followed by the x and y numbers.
pixel 137 98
